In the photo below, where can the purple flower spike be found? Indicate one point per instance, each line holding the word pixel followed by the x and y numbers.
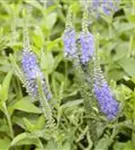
pixel 69 39
pixel 106 101
pixel 103 94
pixel 87 46
pixel 29 65
pixel 107 6
pixel 31 71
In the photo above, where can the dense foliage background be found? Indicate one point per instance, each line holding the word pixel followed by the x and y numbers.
pixel 22 124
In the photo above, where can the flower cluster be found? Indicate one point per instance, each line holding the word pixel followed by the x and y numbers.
pixel 103 94
pixel 31 71
pixel 69 40
pixel 87 46
pixel 86 40
pixel 84 52
pixel 107 6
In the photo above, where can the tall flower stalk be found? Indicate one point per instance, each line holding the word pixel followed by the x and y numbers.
pixel 107 103
pixel 32 78
pixel 31 69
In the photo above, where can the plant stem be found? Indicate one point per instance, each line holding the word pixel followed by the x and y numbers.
pixel 45 106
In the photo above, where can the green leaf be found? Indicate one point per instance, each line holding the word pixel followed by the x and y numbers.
pixel 116 74
pixel 128 64
pixel 38 37
pixel 72 104
pixel 5 144
pixel 29 125
pixel 5 86
pixel 25 105
pixel 24 139
pixel 41 122
pixel 47 62
pixel 50 20
pixel 124 27
pixel 103 144
pixel 124 146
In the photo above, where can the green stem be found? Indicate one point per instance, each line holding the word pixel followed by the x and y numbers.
pixel 86 92
pixel 8 120
pixel 40 143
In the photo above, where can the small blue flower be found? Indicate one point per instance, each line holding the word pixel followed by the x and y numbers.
pixel 31 71
pixel 69 40
pixel 103 94
pixel 87 46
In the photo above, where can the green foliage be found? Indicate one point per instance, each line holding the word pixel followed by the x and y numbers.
pixel 64 122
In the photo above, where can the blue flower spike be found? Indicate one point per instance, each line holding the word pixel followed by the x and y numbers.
pixel 69 38
pixel 86 41
pixel 30 69
pixel 108 105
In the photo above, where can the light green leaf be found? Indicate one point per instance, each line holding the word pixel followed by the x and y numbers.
pixel 24 139
pixel 25 105
pixel 128 65
pixel 4 144
pixel 5 86
pixel 47 62
pixel 123 146
pixel 103 144
pixel 29 125
pixel 41 122
pixel 50 20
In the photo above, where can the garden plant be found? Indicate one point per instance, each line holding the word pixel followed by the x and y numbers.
pixel 67 74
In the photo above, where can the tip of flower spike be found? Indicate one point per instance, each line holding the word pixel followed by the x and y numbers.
pixel 108 105
pixel 26 41
pixel 69 37
pixel 69 18
pixel 69 40
pixel 85 20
